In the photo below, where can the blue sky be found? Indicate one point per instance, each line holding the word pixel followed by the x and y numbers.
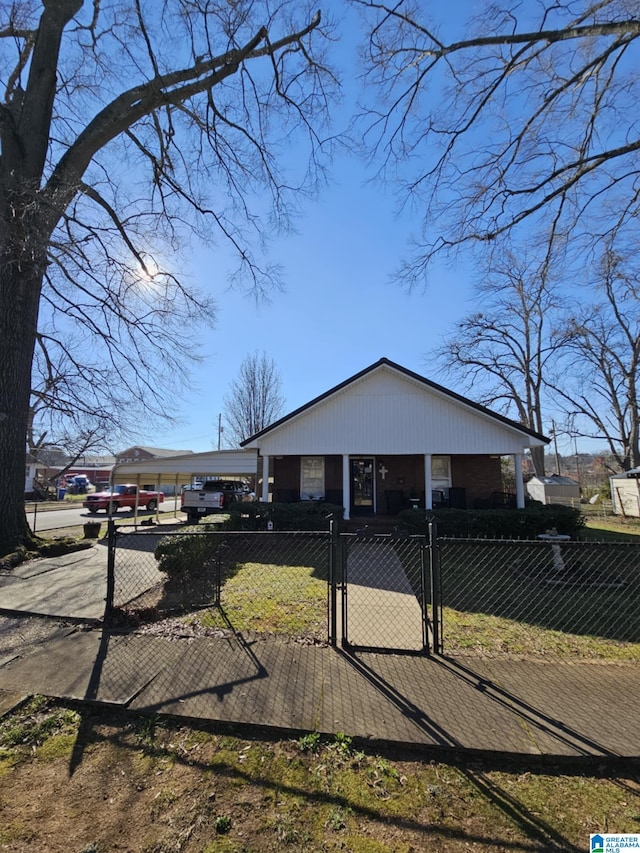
pixel 340 311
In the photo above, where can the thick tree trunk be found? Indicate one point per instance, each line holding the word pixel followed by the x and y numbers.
pixel 20 287
pixel 25 227
pixel 537 457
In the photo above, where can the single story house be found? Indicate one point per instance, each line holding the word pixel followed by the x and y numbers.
pixel 143 454
pixel 625 493
pixel 554 489
pixel 388 438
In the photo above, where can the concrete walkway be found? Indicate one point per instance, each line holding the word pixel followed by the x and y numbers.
pixel 557 710
pixel 382 609
pixel 442 704
pixel 73 586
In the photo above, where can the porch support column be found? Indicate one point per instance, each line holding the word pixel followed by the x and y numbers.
pixel 428 493
pixel 517 461
pixel 265 479
pixel 346 485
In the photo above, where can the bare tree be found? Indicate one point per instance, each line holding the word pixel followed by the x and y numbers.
pixel 529 120
pixel 598 380
pixel 255 397
pixel 503 353
pixel 121 125
pixel 81 407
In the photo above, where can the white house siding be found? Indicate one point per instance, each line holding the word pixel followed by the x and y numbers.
pixel 29 476
pixel 385 413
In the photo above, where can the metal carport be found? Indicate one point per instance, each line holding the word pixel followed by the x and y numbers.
pixel 181 470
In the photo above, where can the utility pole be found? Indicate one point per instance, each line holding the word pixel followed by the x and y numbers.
pixel 220 429
pixel 555 444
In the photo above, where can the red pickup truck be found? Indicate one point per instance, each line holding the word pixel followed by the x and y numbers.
pixel 123 496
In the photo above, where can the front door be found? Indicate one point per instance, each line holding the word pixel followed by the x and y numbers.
pixel 362 487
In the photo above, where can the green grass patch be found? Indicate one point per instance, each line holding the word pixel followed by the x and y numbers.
pixel 516 598
pixel 493 635
pixel 273 599
pixel 38 722
pixel 611 529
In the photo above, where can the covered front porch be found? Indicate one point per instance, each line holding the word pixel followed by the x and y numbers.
pixel 385 484
pixel 388 438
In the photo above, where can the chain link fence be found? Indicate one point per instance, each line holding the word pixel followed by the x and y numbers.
pixel 528 598
pixel 275 583
pixel 557 600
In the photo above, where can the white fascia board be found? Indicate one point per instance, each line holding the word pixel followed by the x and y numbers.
pixel 182 469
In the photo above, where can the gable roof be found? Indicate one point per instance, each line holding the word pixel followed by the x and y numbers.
pixel 427 383
pixel 156 452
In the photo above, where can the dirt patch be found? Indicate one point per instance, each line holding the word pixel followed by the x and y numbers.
pixel 20 635
pixel 78 778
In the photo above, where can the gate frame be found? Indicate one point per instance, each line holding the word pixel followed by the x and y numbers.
pixel 342 585
pixel 337 587
pixel 436 588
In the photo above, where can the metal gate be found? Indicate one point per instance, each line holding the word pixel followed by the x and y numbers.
pixel 367 592
pixel 385 593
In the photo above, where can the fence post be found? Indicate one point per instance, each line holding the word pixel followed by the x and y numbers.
pixel 111 569
pixel 436 604
pixel 221 545
pixel 333 585
pixel 425 589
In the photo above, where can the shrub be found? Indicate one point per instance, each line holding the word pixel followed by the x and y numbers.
pixel 179 556
pixel 190 563
pixel 304 515
pixel 61 546
pixel 496 524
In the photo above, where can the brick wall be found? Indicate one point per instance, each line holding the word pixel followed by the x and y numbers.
pixel 480 476
pixel 398 478
pixel 402 476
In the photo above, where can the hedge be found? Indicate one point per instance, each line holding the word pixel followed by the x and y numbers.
pixel 484 523
pixel 178 555
pixel 304 515
pixel 495 524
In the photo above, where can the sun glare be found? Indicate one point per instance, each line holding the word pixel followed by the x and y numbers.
pixel 147 270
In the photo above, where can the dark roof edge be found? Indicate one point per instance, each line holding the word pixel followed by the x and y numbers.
pixel 423 380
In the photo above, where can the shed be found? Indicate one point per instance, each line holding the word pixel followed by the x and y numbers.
pixel 554 489
pixel 625 493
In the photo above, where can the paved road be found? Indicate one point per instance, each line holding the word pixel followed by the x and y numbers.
pixel 73 515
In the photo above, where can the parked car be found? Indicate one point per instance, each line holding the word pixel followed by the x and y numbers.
pixel 123 496
pixel 214 496
pixel 77 484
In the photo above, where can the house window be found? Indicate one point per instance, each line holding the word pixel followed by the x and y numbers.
pixel 441 473
pixel 311 478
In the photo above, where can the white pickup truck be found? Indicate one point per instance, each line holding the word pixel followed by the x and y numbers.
pixel 213 496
